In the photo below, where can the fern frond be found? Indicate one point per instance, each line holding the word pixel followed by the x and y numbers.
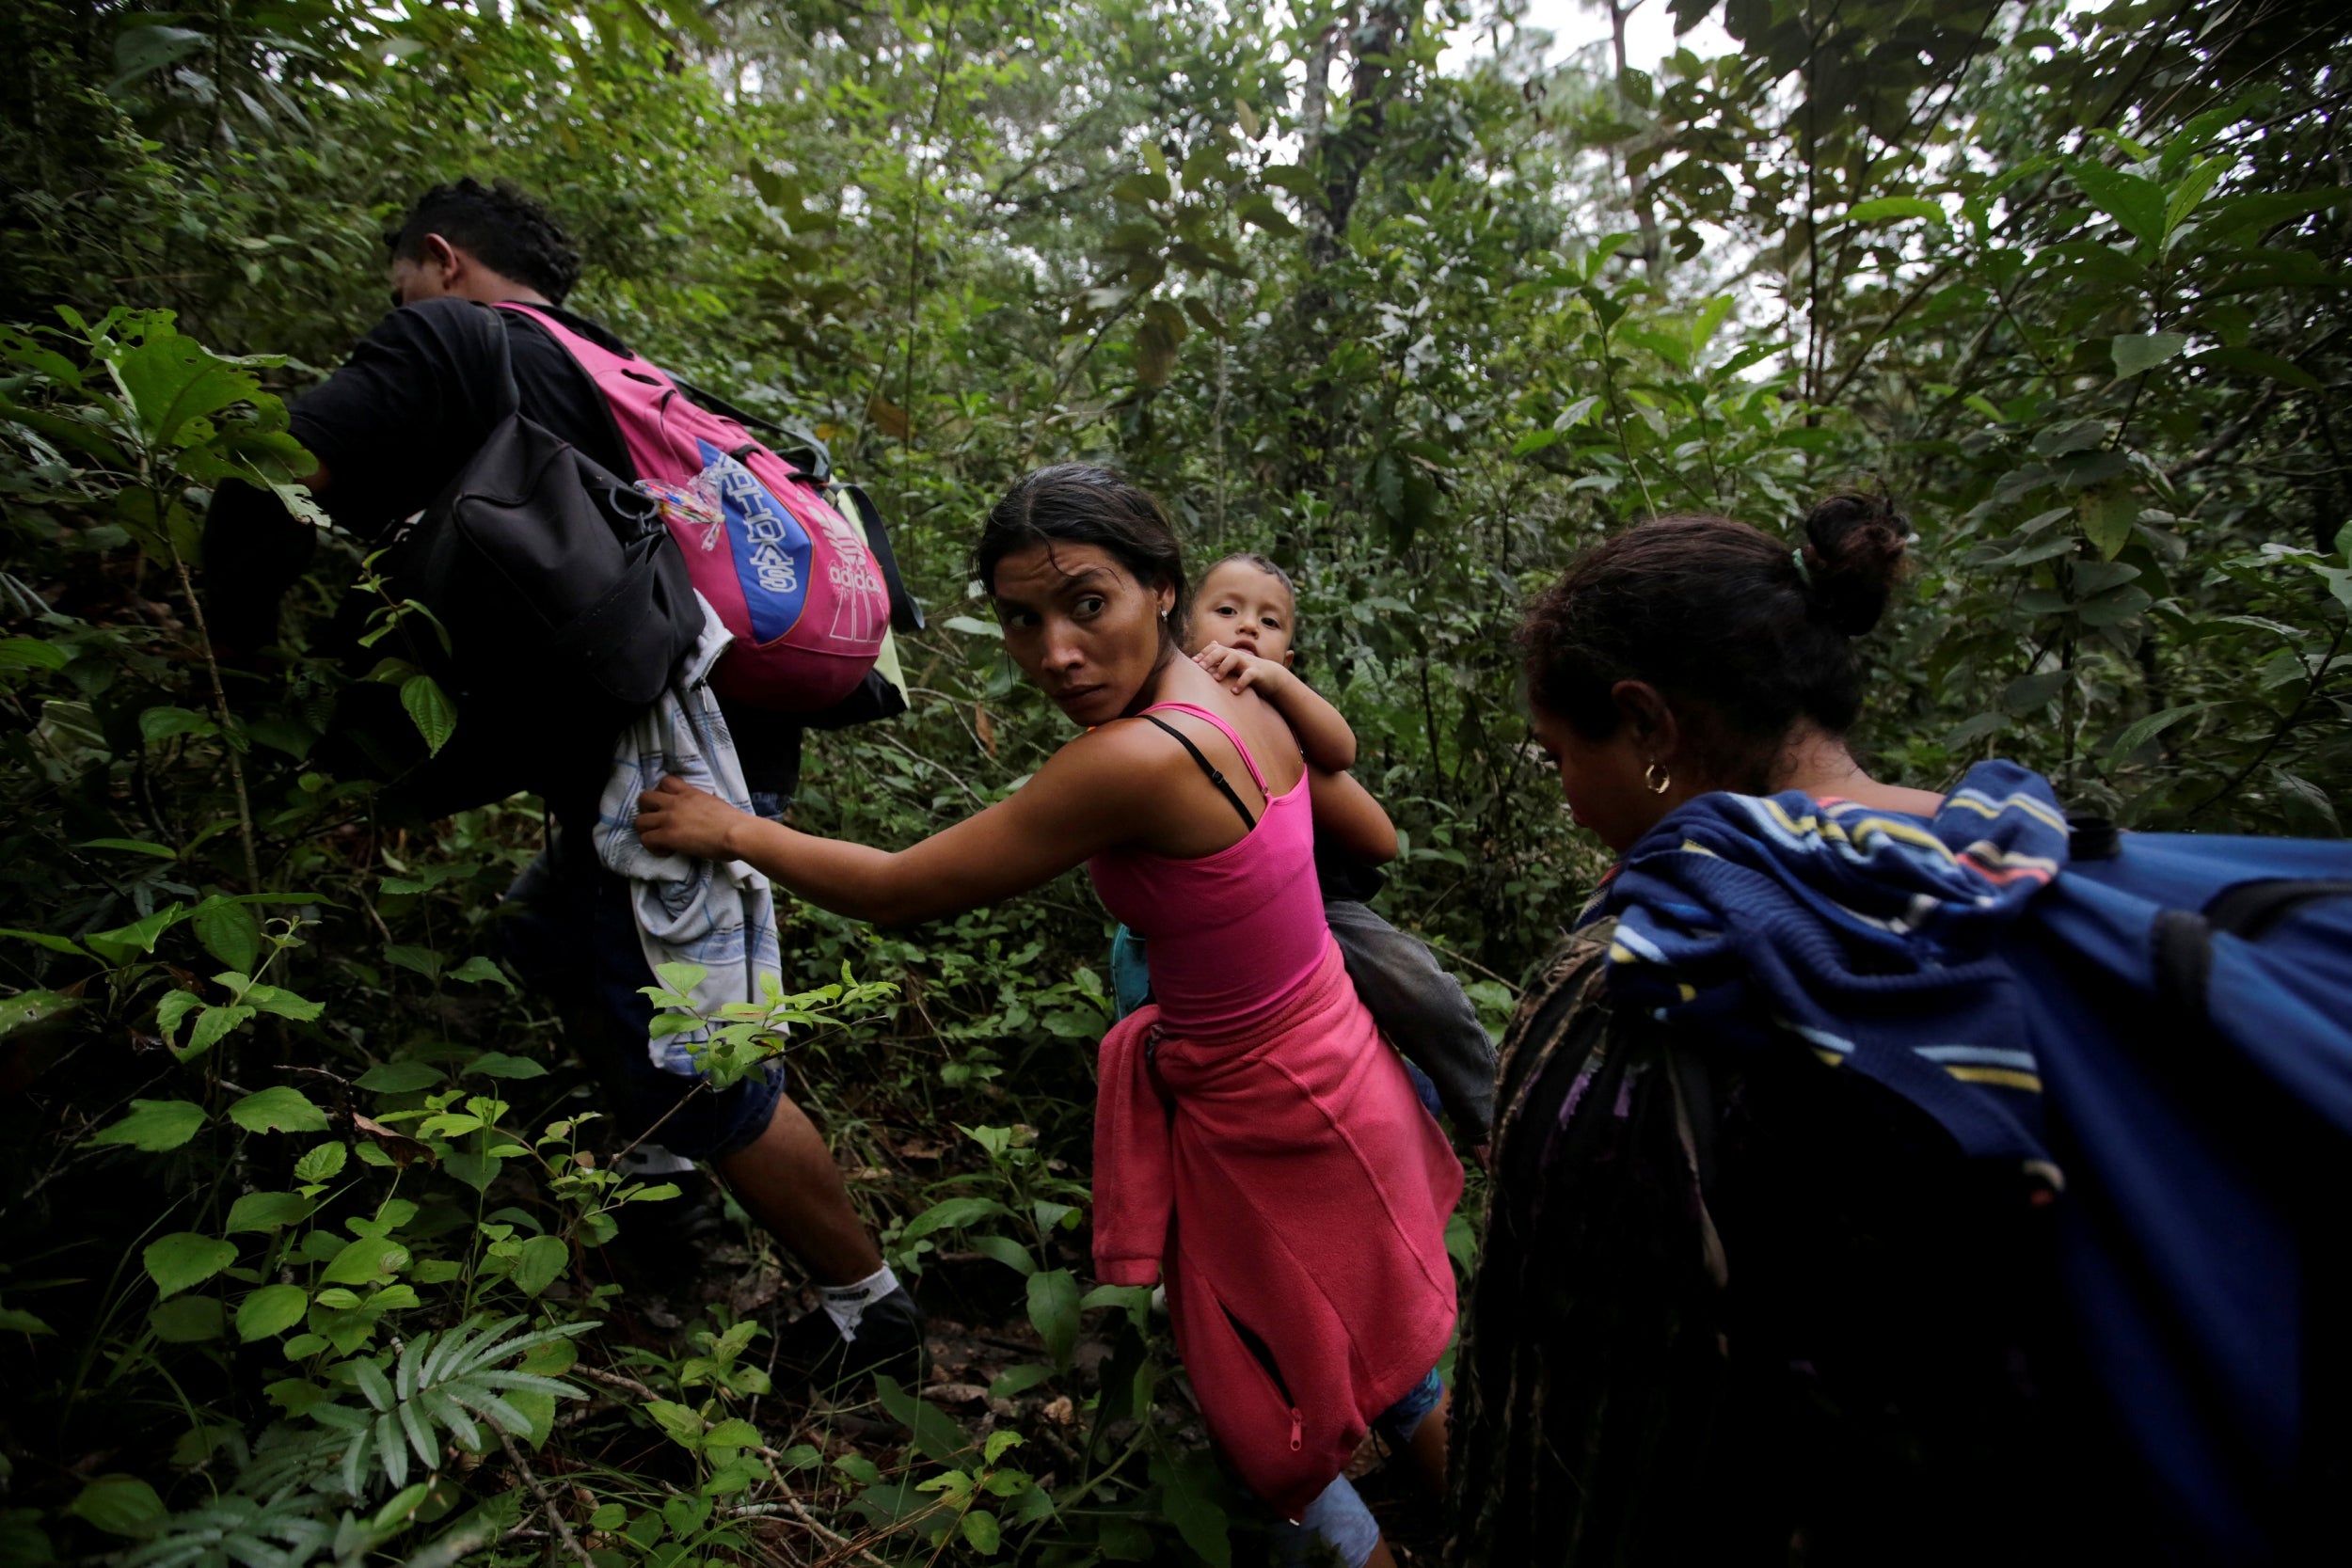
pixel 441 1382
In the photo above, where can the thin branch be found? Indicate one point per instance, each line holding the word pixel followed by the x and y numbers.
pixel 614 1380
pixel 546 1503
pixel 843 1546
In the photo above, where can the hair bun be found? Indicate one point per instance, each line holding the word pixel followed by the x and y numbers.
pixel 1853 556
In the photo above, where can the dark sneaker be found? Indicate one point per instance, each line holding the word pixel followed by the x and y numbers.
pixel 890 1339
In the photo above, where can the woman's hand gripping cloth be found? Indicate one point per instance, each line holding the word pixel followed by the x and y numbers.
pixel 1295 1194
pixel 1874 935
pixel 719 915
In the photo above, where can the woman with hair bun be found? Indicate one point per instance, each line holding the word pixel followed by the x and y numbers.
pixel 1764 1275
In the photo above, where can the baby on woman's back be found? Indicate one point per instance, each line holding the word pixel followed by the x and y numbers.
pixel 1242 630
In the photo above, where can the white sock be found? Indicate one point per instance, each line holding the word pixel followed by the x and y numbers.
pixel 846 1304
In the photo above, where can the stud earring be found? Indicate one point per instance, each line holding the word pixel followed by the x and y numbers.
pixel 1656 779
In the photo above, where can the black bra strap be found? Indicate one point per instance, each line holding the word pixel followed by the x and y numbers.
pixel 1215 778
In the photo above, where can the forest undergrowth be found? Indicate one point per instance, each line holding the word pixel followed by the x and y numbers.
pixel 314 1247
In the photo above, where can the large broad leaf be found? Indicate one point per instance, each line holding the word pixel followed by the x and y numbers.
pixel 2136 203
pixel 268 1211
pixel 272 1309
pixel 365 1261
pixel 2107 515
pixel 2028 693
pixel 542 1261
pixel 936 1435
pixel 28 1008
pixel 120 1505
pixel 170 380
pixel 2254 362
pixel 400 1077
pixel 2139 732
pixel 124 943
pixel 277 1109
pixel 188 1320
pixel 2135 352
pixel 1194 1497
pixel 175 1262
pixel 212 1025
pixel 951 1213
pixel 1889 208
pixel 1157 340
pixel 140 51
pixel 229 932
pixel 1054 1312
pixel 154 1125
pixel 430 710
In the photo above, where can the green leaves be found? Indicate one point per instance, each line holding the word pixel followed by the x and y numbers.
pixel 268 1211
pixel 323 1164
pixel 446 1383
pixel 170 381
pixel 368 1261
pixel 400 1077
pixel 154 1126
pixel 937 1436
pixel 1891 208
pixel 678 1422
pixel 2132 200
pixel 183 1258
pixel 429 708
pixel 2107 515
pixel 952 1213
pixel 120 1505
pixel 2141 731
pixel 227 930
pixel 277 1110
pixel 1053 1313
pixel 2138 352
pixel 1162 332
pixel 541 1262
pixel 270 1310
pixel 248 999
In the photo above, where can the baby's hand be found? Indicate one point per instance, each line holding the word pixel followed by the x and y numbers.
pixel 1241 670
pixel 675 819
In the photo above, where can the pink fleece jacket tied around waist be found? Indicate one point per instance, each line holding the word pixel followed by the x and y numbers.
pixel 1295 1192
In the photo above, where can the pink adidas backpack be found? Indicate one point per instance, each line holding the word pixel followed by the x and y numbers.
pixel 793 579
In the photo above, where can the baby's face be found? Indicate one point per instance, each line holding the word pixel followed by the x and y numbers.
pixel 1244 607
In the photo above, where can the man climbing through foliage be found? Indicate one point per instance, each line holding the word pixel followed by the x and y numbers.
pixel 390 430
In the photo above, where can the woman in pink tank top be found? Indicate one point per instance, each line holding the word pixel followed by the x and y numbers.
pixel 1257 1143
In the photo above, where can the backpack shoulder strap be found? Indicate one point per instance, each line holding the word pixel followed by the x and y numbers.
pixel 799 447
pixel 510 397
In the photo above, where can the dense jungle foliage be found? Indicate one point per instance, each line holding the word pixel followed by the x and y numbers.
pixel 313 1247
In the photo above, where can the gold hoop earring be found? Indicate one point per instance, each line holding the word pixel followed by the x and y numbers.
pixel 1657 779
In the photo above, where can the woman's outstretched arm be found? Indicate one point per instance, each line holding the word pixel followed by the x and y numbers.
pixel 1091 795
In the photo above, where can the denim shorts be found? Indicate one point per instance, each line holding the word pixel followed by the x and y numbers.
pixel 1337 1518
pixel 573 935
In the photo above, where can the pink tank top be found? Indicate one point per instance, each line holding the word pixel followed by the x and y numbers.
pixel 1229 936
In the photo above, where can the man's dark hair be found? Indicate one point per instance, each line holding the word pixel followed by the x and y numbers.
pixel 501 228
pixel 1084 503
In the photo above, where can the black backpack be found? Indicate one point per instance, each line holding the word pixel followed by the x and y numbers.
pixel 554 605
pixel 544 595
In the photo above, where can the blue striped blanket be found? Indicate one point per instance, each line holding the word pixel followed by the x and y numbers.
pixel 1872 935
